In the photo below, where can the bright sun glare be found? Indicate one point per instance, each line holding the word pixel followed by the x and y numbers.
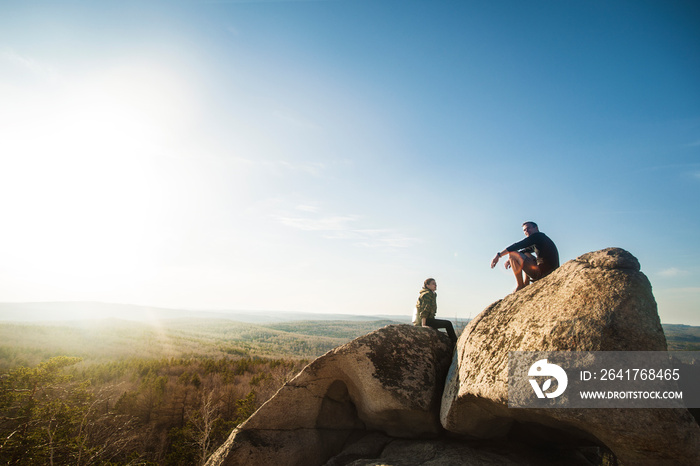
pixel 81 183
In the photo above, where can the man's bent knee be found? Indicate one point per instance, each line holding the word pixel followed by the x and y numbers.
pixel 516 256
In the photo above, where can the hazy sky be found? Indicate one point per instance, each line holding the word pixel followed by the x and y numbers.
pixel 328 156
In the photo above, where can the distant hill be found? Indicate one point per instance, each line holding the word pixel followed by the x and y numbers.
pixel 78 311
pixel 682 337
pixel 107 340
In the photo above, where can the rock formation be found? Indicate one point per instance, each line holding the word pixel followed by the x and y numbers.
pixel 380 398
pixel 597 302
pixel 389 381
pixel 376 449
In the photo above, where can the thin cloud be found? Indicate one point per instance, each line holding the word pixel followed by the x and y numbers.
pixel 307 208
pixel 329 223
pixel 345 228
pixel 671 272
pixel 297 122
pixel 383 239
pixel 668 167
pixel 29 64
pixel 686 169
pixel 316 169
pixel 684 290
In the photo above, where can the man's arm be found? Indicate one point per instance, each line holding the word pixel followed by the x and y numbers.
pixel 498 256
pixel 523 244
pixel 526 243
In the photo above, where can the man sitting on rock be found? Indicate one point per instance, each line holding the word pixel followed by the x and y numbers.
pixel 520 259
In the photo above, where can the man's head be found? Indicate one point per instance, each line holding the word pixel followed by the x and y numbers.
pixel 430 284
pixel 530 228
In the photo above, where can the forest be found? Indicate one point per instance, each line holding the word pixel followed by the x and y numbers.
pixel 168 392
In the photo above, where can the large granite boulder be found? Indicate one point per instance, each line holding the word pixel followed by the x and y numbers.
pixel 600 301
pixel 388 381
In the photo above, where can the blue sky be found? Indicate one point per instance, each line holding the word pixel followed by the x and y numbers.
pixel 328 156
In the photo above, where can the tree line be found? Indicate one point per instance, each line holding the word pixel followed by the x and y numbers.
pixel 167 411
